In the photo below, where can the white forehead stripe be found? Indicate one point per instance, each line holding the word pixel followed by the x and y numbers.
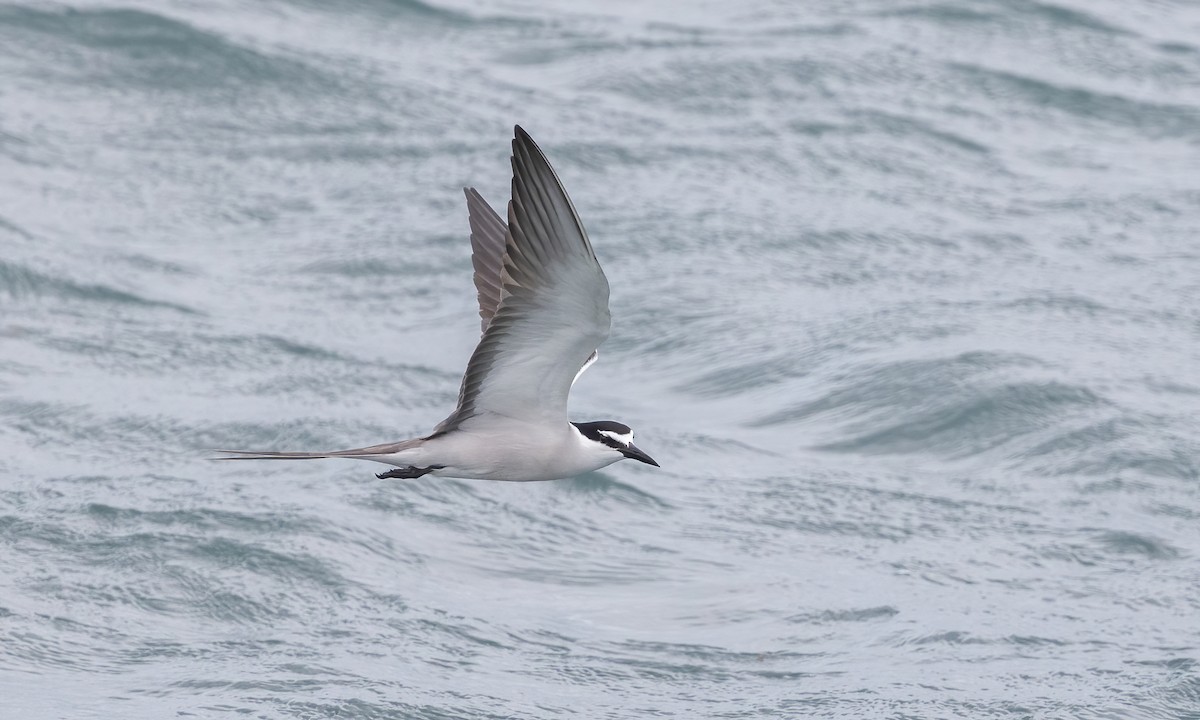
pixel 623 439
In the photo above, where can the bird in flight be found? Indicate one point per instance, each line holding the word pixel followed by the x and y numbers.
pixel 543 301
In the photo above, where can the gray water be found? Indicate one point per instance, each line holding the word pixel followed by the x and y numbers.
pixel 906 301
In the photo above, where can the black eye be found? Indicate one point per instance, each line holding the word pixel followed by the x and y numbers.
pixel 610 441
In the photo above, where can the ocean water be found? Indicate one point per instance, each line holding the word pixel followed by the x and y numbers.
pixel 906 301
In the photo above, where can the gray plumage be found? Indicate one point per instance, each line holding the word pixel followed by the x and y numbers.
pixel 543 307
pixel 553 310
pixel 488 240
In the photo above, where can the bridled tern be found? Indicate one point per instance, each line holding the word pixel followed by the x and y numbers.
pixel 543 300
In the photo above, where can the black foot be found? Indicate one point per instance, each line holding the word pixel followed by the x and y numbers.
pixel 408 473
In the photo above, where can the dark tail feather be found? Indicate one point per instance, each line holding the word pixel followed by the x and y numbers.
pixel 251 455
pixel 365 453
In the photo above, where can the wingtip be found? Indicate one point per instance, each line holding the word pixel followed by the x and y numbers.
pixel 524 146
pixel 520 137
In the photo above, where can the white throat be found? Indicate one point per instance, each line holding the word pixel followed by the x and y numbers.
pixel 596 454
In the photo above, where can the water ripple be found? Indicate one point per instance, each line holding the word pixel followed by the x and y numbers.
pixel 903 295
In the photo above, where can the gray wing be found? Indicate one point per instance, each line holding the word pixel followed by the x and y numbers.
pixel 488 239
pixel 553 309
pixel 488 242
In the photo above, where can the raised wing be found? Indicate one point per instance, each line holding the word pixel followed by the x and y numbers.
pixel 488 241
pixel 488 238
pixel 553 309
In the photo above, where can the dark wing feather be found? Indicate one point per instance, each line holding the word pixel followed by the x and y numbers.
pixel 488 239
pixel 553 309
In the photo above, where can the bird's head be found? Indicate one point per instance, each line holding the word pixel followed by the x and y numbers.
pixel 613 437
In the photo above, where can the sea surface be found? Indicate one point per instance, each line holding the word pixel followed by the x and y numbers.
pixel 906 302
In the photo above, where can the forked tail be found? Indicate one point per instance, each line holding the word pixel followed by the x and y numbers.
pixel 268 455
pixel 378 453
